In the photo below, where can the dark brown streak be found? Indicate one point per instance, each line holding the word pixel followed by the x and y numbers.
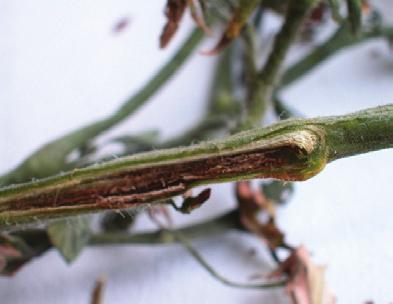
pixel 141 185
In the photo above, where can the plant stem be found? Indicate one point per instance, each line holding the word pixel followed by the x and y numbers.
pixel 355 15
pixel 51 158
pixel 216 226
pixel 221 110
pixel 294 149
pixel 212 227
pixel 268 77
pixel 342 38
pixel 195 254
pixel 249 59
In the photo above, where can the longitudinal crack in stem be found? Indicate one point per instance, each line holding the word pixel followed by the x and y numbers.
pixel 290 150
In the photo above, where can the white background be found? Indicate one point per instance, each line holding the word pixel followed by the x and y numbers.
pixel 62 67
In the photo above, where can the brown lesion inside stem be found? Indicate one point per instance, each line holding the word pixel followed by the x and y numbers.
pixel 146 184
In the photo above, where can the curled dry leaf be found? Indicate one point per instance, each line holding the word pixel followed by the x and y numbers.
pixel 239 19
pixel 250 204
pixel 366 7
pixel 174 12
pixel 318 17
pixel 98 291
pixel 18 248
pixel 191 203
pixel 7 251
pixel 306 281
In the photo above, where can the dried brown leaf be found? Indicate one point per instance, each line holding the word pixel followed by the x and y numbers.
pixel 191 203
pixel 250 204
pixel 98 291
pixel 306 281
pixel 174 12
pixel 8 251
pixel 239 19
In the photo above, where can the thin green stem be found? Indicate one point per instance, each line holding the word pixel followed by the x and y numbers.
pixel 221 109
pixel 355 15
pixel 195 254
pixel 341 39
pixel 335 10
pixel 294 149
pixel 249 59
pixel 215 226
pixel 268 77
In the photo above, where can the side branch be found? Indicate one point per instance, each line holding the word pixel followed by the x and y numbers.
pixel 290 150
pixel 267 78
pixel 341 39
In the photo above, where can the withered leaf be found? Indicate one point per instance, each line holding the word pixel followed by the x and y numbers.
pixel 174 12
pixel 239 19
pixel 306 281
pixel 98 291
pixel 7 251
pixel 15 252
pixel 250 204
pixel 191 203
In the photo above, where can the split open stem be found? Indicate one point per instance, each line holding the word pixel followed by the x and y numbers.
pixel 295 149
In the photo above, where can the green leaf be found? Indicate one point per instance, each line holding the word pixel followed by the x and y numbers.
pixel 69 236
pixel 278 191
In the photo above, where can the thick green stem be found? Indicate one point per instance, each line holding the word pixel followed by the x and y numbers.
pixel 294 149
pixel 268 77
pixel 51 158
